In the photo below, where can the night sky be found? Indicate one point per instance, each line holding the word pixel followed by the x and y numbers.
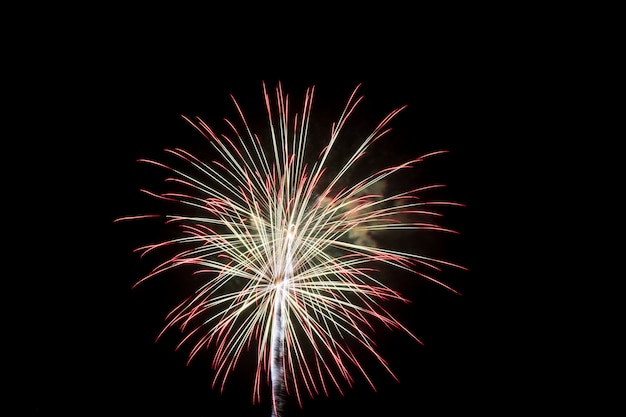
pixel 89 344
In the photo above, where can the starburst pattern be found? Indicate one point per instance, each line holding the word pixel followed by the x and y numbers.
pixel 269 232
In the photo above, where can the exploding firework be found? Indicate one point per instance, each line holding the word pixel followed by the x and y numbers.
pixel 269 230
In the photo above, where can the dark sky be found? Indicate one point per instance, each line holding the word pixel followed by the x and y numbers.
pixel 90 347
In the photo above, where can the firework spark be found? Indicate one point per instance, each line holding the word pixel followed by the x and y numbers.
pixel 270 232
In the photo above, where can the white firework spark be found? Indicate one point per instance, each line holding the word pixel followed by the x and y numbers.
pixel 271 237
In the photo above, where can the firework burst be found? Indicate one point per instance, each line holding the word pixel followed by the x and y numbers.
pixel 269 232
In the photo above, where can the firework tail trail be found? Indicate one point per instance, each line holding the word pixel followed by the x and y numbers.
pixel 277 370
pixel 269 228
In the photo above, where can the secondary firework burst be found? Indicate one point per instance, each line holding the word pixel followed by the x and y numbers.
pixel 268 230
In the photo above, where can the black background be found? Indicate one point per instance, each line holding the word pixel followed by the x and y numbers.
pixel 102 93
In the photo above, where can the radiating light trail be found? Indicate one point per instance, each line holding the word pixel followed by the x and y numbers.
pixel 270 231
